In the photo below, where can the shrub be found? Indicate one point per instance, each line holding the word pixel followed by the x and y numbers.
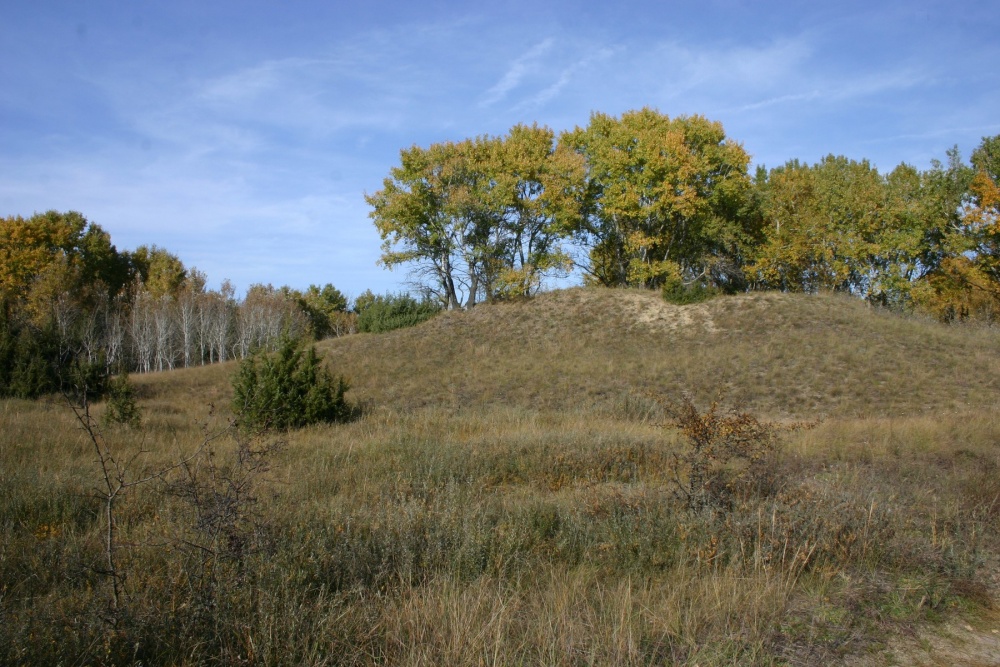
pixel 35 361
pixel 679 294
pixel 30 363
pixel 377 314
pixel 288 389
pixel 84 378
pixel 122 408
pixel 727 454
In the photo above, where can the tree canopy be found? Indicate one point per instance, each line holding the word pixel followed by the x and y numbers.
pixel 642 199
pixel 842 225
pixel 665 200
pixel 648 200
pixel 53 253
pixel 481 219
pixel 72 305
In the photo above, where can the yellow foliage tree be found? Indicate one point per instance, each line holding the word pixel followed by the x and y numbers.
pixel 966 285
pixel 52 253
pixel 665 198
pixel 480 219
pixel 841 225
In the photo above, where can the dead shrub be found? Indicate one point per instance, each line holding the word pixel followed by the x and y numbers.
pixel 728 455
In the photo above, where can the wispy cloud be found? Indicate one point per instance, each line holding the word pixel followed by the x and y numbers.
pixel 835 88
pixel 320 96
pixel 946 133
pixel 767 66
pixel 779 100
pixel 566 76
pixel 251 83
pixel 876 83
pixel 680 66
pixel 516 72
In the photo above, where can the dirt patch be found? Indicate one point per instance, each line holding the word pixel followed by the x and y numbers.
pixel 650 310
pixel 972 643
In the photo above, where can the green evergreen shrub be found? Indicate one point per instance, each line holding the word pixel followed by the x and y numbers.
pixel 378 314
pixel 122 408
pixel 37 364
pixel 679 294
pixel 288 389
pixel 80 377
pixel 34 362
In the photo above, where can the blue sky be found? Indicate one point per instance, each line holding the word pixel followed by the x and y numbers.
pixel 242 136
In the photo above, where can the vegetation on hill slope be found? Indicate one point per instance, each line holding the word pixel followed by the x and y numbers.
pixel 509 497
pixel 599 349
pixel 640 200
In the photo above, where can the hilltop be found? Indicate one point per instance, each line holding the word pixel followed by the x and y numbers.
pixel 596 349
pixel 587 349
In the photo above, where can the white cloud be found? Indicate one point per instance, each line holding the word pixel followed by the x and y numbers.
pixel 566 76
pixel 251 83
pixel 764 67
pixel 875 83
pixel 836 88
pixel 516 72
pixel 679 67
pixel 779 100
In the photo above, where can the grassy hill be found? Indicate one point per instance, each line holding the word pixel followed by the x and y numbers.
pixel 780 355
pixel 590 349
pixel 511 494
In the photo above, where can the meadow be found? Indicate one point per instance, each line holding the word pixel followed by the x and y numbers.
pixel 510 492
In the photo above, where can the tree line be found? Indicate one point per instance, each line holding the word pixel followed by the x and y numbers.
pixel 70 302
pixel 639 200
pixel 646 200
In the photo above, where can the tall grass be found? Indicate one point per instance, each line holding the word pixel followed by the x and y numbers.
pixel 471 520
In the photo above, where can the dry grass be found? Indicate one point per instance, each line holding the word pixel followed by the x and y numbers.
pixel 583 349
pixel 506 498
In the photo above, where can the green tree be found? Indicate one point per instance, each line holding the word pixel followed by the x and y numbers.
pixel 965 282
pixel 841 225
pixel 381 313
pixel 528 194
pixel 666 200
pixel 50 245
pixel 982 213
pixel 325 307
pixel 481 219
pixel 160 272
pixel 363 300
pixel 30 360
pixel 56 270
